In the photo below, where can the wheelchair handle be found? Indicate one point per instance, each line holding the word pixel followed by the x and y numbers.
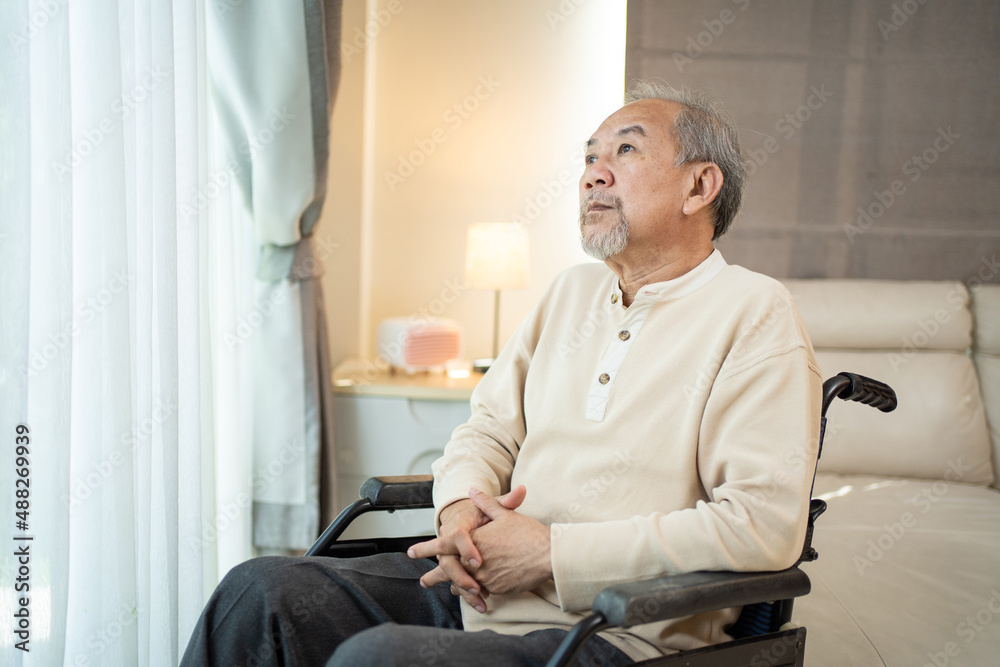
pixel 855 387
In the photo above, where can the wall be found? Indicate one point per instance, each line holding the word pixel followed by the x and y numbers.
pixel 474 111
pixel 339 229
pixel 887 107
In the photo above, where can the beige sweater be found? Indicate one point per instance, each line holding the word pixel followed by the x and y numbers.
pixel 679 434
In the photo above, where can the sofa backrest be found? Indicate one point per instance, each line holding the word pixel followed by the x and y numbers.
pixel 986 355
pixel 916 337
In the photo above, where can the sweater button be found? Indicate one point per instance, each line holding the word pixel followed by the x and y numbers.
pixel 624 335
pixel 604 379
pixel 614 298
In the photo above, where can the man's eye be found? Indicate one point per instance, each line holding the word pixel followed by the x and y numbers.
pixel 591 159
pixel 625 148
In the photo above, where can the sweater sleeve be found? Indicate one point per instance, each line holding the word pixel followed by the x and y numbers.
pixel 482 451
pixel 756 455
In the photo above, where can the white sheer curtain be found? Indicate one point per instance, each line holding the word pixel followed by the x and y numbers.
pixel 124 261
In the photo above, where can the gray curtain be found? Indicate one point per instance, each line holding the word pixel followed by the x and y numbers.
pixel 274 71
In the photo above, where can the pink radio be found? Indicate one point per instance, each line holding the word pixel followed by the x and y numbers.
pixel 412 344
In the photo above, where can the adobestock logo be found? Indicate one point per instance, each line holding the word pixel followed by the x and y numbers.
pixel 85 485
pixel 217 183
pixel 352 46
pixel 550 190
pixel 276 124
pixel 87 312
pixel 915 167
pixel 223 7
pixel 596 317
pixel 901 13
pixel 926 329
pixel 30 27
pixel 714 28
pixel 455 116
pixel 249 323
pixel 788 125
pixel 229 513
pixel 894 531
pixel 121 107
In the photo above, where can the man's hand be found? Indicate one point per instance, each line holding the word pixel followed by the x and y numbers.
pixel 456 552
pixel 515 549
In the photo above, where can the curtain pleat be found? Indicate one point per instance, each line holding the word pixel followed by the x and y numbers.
pixel 137 342
pixel 102 566
pixel 106 351
pixel 195 435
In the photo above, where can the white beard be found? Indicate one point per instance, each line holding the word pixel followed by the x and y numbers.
pixel 601 245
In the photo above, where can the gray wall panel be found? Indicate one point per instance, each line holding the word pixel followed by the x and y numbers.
pixel 873 127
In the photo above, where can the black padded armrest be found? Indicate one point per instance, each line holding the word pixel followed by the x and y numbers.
pixel 402 492
pixel 387 494
pixel 679 595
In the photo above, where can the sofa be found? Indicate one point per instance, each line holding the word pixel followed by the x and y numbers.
pixel 909 547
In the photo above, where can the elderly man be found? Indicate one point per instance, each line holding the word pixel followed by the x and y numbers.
pixel 657 418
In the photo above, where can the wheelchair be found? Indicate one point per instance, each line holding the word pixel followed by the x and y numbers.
pixel 763 635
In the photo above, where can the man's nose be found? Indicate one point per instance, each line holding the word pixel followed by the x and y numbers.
pixel 597 174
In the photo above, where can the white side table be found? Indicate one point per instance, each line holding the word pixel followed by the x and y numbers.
pixel 392 423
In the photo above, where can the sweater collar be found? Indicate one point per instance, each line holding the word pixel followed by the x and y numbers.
pixel 680 286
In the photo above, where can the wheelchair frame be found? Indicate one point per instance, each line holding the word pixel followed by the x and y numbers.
pixel 763 633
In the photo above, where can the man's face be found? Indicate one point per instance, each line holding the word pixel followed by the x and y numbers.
pixel 630 187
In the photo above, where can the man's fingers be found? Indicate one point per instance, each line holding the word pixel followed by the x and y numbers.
pixel 487 504
pixel 477 602
pixel 450 570
pixel 460 544
pixel 472 595
pixel 432 548
pixel 467 551
pixel 457 574
pixel 457 590
pixel 434 577
pixel 513 499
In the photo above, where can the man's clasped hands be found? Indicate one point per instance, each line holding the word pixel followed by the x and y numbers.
pixel 485 546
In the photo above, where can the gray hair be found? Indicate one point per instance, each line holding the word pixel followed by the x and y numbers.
pixel 704 133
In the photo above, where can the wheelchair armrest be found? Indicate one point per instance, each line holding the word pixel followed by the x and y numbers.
pixel 679 595
pixel 387 494
pixel 402 492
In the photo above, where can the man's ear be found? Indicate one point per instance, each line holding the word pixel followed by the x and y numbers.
pixel 706 181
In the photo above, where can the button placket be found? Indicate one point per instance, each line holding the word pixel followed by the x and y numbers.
pixel 614 356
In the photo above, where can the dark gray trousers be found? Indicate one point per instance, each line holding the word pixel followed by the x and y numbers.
pixel 352 613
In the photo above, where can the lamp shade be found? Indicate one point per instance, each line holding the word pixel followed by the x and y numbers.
pixel 496 256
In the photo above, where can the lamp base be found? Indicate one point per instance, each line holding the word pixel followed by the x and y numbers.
pixel 482 365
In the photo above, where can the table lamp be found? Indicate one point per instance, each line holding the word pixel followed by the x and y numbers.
pixel 496 258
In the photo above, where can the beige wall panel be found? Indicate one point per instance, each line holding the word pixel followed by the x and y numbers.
pixel 481 110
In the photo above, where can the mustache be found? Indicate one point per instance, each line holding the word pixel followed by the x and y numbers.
pixel 602 197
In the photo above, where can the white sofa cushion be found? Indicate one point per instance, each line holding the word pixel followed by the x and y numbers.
pixel 986 318
pixel 903 567
pixel 898 316
pixel 914 336
pixel 938 426
pixel 989 383
pixel 986 312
